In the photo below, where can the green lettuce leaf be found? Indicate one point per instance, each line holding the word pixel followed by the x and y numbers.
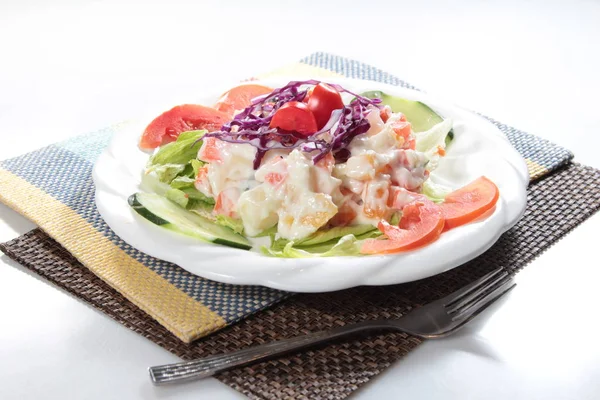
pixel 167 172
pixel 369 235
pixel 347 245
pixel 200 205
pixel 182 182
pixel 191 169
pixel 186 185
pixel 326 235
pixel 340 241
pixel 196 165
pixel 189 198
pixel 435 192
pixel 272 231
pixel 235 225
pixel 177 196
pixel 431 140
pixel 191 135
pixel 395 220
pixel 181 151
pixel 195 194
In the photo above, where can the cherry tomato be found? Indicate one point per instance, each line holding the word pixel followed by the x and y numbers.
pixel 421 223
pixel 295 116
pixel 322 101
pixel 308 93
pixel 469 202
pixel 187 117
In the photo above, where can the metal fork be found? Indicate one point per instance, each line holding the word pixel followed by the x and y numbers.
pixel 434 320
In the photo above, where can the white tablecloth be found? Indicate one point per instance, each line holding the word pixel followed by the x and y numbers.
pixel 68 67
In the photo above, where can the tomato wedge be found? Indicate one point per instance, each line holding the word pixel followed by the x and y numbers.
pixel 469 202
pixel 240 97
pixel 295 116
pixel 186 117
pixel 421 223
pixel 322 101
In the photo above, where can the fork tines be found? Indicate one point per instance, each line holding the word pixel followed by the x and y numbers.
pixel 483 291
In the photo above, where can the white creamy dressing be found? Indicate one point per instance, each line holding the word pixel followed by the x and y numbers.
pixel 299 197
pixel 235 168
pixel 297 194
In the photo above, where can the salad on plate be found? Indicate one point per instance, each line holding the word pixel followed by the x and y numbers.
pixel 308 169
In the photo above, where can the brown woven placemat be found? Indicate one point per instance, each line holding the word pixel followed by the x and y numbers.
pixel 556 204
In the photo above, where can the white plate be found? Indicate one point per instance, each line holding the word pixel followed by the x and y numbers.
pixel 478 149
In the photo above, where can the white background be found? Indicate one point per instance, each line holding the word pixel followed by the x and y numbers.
pixel 68 67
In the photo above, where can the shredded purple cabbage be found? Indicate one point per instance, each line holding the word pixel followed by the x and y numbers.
pixel 252 125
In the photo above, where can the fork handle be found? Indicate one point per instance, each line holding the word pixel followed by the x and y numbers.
pixel 205 367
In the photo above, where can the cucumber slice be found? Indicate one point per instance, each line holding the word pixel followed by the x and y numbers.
pixel 166 214
pixel 420 115
pixel 449 137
